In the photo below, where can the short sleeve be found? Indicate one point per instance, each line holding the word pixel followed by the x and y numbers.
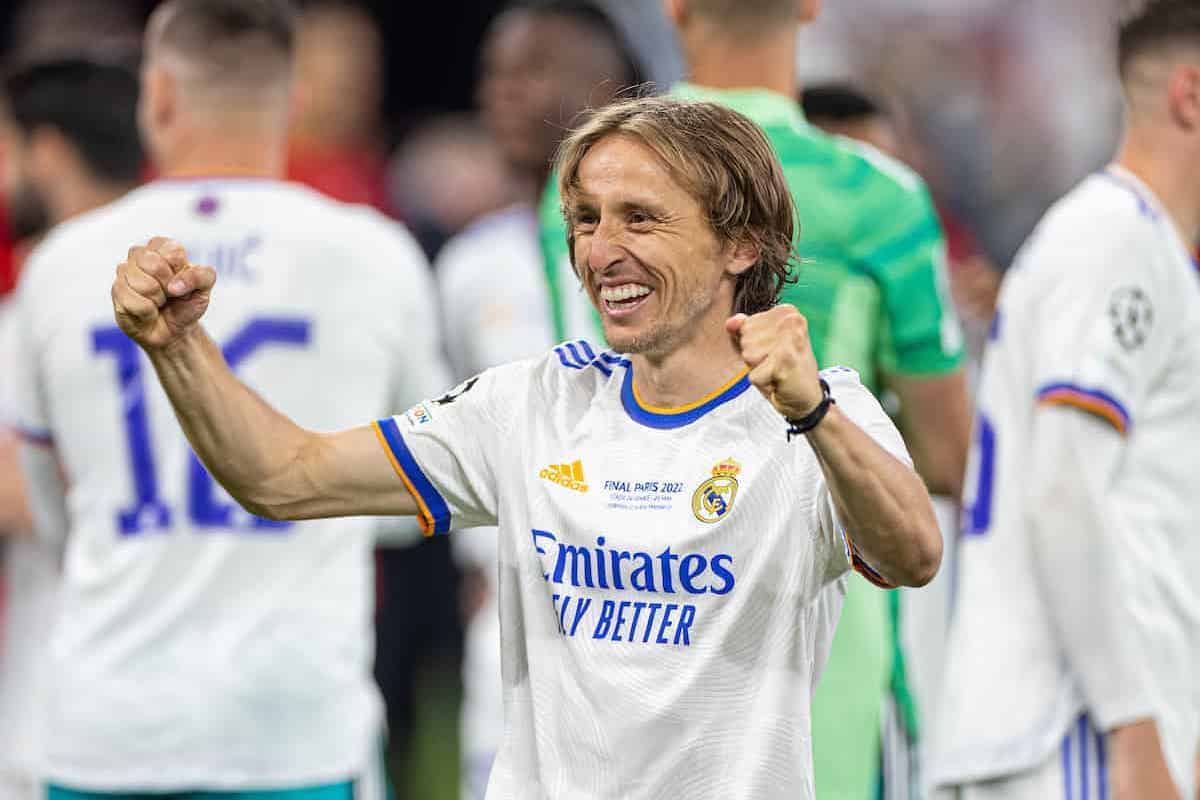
pixel 1097 336
pixel 27 409
pixel 449 450
pixel 898 239
pixel 861 407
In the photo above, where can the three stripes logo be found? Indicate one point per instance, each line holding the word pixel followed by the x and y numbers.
pixel 569 476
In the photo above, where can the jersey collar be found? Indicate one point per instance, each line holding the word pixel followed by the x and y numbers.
pixel 677 416
pixel 765 107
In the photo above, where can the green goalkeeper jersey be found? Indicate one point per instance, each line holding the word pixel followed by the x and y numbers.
pixel 872 284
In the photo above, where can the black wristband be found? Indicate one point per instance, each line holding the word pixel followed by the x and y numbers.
pixel 802 425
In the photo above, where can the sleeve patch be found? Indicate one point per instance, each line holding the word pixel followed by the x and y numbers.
pixel 1092 401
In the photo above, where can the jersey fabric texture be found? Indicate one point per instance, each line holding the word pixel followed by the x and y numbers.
pixel 1100 313
pixel 197 647
pixel 495 311
pixel 669 578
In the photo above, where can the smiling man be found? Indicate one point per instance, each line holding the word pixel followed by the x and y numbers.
pixel 671 543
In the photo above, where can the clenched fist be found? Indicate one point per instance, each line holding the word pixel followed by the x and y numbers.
pixel 157 295
pixel 776 347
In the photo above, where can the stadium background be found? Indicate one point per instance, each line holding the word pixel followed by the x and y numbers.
pixel 996 102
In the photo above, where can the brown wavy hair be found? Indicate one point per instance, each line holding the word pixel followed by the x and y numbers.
pixel 724 161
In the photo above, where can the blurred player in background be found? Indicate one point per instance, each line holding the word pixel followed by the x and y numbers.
pixel 335 142
pixel 1075 648
pixel 66 154
pixel 197 648
pixel 873 291
pixel 542 64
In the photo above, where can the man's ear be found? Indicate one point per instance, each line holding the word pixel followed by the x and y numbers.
pixel 158 103
pixel 744 254
pixel 1183 96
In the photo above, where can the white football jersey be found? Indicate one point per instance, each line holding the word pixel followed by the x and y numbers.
pixel 496 309
pixel 198 646
pixel 1101 312
pixel 669 578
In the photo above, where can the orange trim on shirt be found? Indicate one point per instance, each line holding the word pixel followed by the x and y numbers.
pixel 1090 405
pixel 685 408
pixel 863 568
pixel 424 517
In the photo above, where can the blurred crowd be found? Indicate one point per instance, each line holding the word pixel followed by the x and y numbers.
pixel 1000 106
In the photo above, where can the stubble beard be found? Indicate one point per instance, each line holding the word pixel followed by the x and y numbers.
pixel 665 335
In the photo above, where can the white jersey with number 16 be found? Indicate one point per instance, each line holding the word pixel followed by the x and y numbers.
pixel 198 646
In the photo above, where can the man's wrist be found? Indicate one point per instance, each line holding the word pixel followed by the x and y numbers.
pixel 804 423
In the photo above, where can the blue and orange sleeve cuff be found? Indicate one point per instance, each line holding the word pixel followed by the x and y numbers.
pixel 1091 401
pixel 432 512
pixel 865 569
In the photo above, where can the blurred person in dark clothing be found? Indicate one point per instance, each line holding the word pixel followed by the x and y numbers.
pixel 64 154
pixel 336 144
pixel 542 64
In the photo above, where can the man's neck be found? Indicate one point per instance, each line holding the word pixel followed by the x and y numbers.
pixel 689 372
pixel 1175 185
pixel 722 62
pixel 214 153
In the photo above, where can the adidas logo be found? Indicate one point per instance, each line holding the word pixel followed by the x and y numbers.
pixel 569 476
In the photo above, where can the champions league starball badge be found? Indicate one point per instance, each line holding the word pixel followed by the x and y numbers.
pixel 1131 316
pixel 713 499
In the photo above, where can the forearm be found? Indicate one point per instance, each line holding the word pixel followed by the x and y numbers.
pixel 251 449
pixel 882 504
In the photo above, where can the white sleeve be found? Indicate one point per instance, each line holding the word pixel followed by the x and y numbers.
pixel 450 450
pixel 29 411
pixel 1097 338
pixel 1094 352
pixel 1081 564
pixel 864 410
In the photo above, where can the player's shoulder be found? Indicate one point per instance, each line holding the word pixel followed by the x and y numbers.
pixel 355 226
pixel 854 164
pixel 1099 222
pixel 81 245
pixel 573 371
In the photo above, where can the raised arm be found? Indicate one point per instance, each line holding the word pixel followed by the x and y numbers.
pixel 271 466
pixel 878 498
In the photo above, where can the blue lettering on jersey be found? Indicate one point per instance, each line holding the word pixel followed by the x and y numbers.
pixel 625 620
pixel 231 260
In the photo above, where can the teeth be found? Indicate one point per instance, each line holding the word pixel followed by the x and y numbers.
pixel 626 291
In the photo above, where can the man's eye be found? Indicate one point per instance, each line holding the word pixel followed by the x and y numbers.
pixel 585 219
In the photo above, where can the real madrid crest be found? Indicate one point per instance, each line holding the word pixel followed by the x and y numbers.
pixel 713 499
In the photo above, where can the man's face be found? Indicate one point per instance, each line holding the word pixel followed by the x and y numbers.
pixel 645 251
pixel 537 72
pixel 27 212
